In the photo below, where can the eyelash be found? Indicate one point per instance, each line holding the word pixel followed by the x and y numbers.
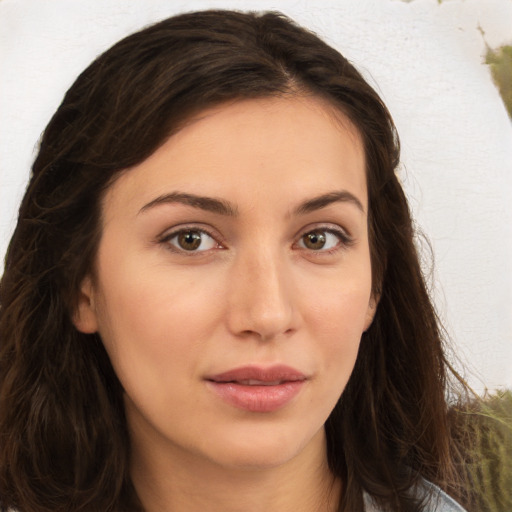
pixel 344 240
pixel 166 240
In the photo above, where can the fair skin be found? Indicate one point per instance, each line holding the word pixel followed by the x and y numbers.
pixel 271 269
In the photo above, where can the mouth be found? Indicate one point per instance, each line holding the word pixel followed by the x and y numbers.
pixel 258 376
pixel 257 389
pixel 254 382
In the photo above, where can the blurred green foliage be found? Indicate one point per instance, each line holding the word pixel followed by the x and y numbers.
pixel 488 426
pixel 500 62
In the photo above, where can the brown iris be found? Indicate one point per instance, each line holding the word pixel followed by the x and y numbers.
pixel 314 240
pixel 189 240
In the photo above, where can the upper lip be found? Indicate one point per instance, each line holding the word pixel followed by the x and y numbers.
pixel 273 374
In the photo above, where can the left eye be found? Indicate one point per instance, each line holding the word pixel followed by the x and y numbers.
pixel 319 240
pixel 191 240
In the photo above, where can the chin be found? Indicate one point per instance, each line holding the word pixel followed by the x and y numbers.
pixel 263 448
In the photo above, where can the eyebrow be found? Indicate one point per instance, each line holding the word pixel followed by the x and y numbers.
pixel 209 204
pixel 317 203
pixel 223 207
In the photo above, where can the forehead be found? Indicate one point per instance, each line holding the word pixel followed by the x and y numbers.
pixel 297 144
pixel 291 117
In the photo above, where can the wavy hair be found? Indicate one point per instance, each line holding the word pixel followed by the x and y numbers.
pixel 63 437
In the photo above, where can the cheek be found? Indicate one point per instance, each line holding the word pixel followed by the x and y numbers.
pixel 343 330
pixel 152 321
pixel 336 318
pixel 154 332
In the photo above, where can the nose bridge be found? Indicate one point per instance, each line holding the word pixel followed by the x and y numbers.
pixel 261 294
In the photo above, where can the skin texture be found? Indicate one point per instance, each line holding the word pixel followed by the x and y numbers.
pixel 253 293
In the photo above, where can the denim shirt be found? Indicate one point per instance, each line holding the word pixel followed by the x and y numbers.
pixel 438 501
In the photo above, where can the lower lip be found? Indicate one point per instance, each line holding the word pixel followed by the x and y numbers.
pixel 257 398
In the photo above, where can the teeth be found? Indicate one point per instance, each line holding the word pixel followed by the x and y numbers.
pixel 252 382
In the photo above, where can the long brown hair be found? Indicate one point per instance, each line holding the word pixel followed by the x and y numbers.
pixel 63 435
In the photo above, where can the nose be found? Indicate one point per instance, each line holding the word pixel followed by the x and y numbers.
pixel 261 302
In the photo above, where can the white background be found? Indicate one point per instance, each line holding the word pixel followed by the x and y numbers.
pixel 425 59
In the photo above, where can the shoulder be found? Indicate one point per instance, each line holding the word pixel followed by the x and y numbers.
pixel 435 500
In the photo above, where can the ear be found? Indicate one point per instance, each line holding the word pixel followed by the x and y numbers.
pixel 85 317
pixel 370 312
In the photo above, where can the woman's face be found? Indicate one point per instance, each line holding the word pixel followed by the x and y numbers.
pixel 232 282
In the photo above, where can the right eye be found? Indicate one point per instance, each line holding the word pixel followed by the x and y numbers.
pixel 191 240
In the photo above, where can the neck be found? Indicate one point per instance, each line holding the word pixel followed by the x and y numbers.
pixel 175 481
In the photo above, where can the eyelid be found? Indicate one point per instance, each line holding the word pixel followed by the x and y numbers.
pixel 170 233
pixel 346 239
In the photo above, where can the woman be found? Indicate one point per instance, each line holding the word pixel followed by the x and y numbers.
pixel 212 299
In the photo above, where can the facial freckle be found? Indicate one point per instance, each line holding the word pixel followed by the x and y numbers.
pixel 174 319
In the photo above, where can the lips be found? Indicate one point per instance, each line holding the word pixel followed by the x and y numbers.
pixel 257 389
